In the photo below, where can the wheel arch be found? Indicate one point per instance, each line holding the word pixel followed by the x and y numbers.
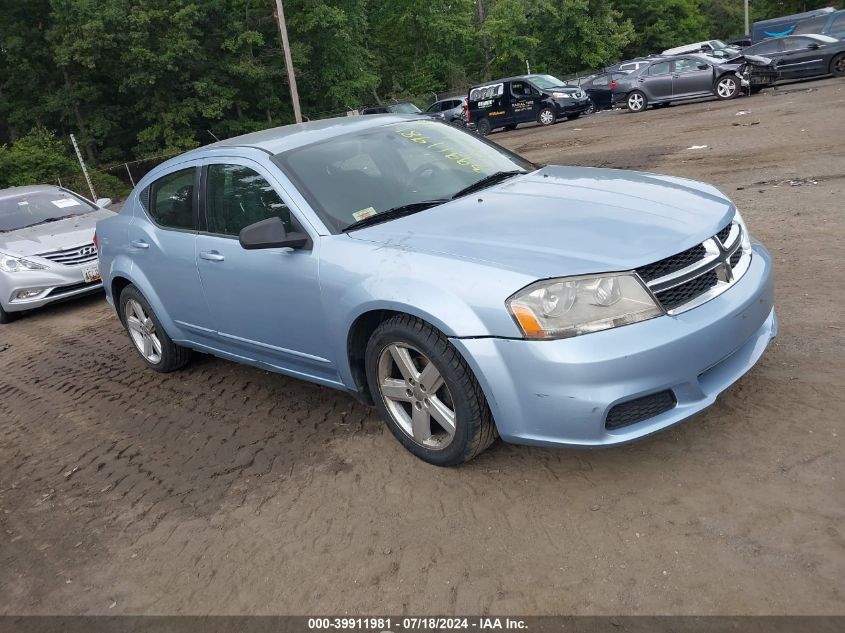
pixel 361 330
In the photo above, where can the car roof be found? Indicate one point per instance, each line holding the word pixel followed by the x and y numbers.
pixel 287 137
pixel 13 192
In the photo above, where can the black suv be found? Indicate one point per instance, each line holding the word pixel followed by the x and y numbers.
pixel 505 103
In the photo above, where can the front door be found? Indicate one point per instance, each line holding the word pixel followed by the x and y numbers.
pixel 525 100
pixel 691 77
pixel 265 304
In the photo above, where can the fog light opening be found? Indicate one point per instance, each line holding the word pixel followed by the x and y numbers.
pixel 28 293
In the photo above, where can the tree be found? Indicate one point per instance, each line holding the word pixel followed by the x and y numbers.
pixel 662 24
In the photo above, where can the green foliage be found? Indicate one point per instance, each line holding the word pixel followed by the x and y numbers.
pixel 38 157
pixel 138 78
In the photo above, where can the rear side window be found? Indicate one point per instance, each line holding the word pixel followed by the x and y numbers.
pixel 171 200
pixel 660 68
pixel 601 80
pixel 765 48
pixel 236 197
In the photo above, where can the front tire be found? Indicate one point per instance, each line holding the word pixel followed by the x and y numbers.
pixel 156 348
pixel 7 317
pixel 637 101
pixel 727 87
pixel 546 116
pixel 483 127
pixel 427 393
pixel 837 65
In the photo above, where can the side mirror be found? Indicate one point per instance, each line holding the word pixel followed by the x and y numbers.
pixel 814 46
pixel 270 233
pixel 703 67
pixel 103 202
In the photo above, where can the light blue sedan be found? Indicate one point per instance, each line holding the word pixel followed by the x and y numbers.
pixel 464 291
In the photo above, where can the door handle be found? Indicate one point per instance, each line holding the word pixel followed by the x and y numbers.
pixel 139 244
pixel 676 76
pixel 212 256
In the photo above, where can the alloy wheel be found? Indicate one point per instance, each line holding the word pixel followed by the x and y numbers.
pixel 416 396
pixel 635 102
pixel 142 331
pixel 839 65
pixel 726 88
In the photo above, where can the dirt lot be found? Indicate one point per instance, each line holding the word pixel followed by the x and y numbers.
pixel 224 489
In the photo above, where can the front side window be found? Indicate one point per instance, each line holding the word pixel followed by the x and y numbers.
pixel 686 66
pixel 796 43
pixel 364 173
pixel 172 200
pixel 237 196
pixel 660 68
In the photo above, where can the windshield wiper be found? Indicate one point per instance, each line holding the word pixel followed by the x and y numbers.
pixel 47 221
pixel 487 181
pixel 395 212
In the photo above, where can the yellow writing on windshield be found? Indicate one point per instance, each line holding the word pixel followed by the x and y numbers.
pixel 442 149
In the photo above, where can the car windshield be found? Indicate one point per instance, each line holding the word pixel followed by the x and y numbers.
pixel 28 209
pixel 544 82
pixel 404 108
pixel 358 175
pixel 718 45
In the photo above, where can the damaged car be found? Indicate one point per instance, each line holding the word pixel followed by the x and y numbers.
pixel 668 80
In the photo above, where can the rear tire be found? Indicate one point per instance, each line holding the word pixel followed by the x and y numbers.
pixel 156 348
pixel 7 317
pixel 433 383
pixel 637 101
pixel 837 65
pixel 727 87
pixel 546 116
pixel 483 127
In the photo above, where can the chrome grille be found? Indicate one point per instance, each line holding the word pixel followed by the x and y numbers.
pixel 696 275
pixel 73 256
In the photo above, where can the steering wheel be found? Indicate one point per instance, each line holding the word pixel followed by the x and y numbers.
pixel 423 172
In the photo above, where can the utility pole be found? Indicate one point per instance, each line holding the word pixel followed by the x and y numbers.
pixel 84 169
pixel 747 22
pixel 283 29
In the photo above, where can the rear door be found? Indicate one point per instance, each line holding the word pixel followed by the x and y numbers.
pixel 802 57
pixel 691 78
pixel 162 243
pixel 656 81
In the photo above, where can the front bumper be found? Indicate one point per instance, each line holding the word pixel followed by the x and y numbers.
pixel 568 107
pixel 559 393
pixel 54 284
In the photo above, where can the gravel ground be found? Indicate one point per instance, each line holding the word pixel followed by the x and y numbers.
pixel 225 489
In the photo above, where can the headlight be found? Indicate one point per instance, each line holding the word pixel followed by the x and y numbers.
pixel 14 264
pixel 561 95
pixel 746 237
pixel 570 306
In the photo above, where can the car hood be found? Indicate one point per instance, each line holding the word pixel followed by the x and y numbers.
pixel 52 236
pixel 565 221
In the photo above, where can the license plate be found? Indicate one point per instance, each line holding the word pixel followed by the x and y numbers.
pixel 91 274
